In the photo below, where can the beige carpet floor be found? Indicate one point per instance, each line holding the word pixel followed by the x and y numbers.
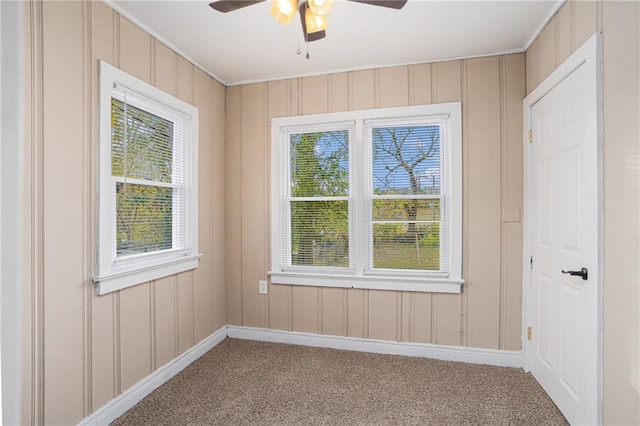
pixel 244 382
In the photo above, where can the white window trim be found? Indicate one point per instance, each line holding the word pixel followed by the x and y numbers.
pixel 116 274
pixel 359 277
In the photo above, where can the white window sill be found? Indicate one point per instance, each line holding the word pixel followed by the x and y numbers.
pixel 426 285
pixel 115 281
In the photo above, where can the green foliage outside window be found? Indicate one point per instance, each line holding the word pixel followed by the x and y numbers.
pixel 144 213
pixel 320 229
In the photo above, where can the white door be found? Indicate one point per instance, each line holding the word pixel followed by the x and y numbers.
pixel 564 214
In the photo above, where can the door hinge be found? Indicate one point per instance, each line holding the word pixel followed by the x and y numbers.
pixel 528 333
pixel 531 262
pixel 530 136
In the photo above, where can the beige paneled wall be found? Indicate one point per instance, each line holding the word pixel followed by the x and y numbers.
pixel 87 349
pixel 488 313
pixel 619 23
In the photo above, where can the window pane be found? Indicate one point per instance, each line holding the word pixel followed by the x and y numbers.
pixel 406 209
pixel 319 164
pixel 320 233
pixel 147 152
pixel 406 246
pixel 144 218
pixel 406 160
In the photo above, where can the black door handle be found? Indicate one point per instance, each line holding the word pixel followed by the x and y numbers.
pixel 584 273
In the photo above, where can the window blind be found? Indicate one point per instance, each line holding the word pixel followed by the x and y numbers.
pixel 151 176
pixel 317 211
pixel 407 227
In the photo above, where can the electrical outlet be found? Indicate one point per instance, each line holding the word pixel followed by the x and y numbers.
pixel 262 287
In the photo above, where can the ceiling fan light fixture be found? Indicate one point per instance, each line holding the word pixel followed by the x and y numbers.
pixel 284 10
pixel 314 22
pixel 320 7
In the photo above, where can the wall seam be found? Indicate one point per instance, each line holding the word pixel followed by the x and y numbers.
pixel 464 299
pixel 434 298
pixel 398 316
pixel 37 264
pixel 376 88
pixel 212 278
pixel 572 15
pixel 174 280
pixel 152 285
pixel 191 273
pixel 116 311
pixel 265 186
pixel 86 209
pixel 504 154
pixel 240 251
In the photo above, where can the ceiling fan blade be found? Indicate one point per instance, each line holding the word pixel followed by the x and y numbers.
pixel 309 37
pixel 318 35
pixel 225 6
pixel 392 4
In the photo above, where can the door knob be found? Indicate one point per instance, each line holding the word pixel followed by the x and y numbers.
pixel 584 273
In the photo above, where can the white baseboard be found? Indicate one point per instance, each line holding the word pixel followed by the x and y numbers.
pixel 125 401
pixel 495 357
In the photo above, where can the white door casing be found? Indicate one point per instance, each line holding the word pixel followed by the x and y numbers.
pixel 563 225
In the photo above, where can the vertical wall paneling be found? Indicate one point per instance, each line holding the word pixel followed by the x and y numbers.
pixel 338 92
pixel 464 87
pixel 83 349
pixel 103 332
pixel 361 90
pixel 217 206
pixel 420 84
pixel 356 313
pixel 383 315
pixel 585 22
pixel 305 309
pixel 547 41
pixel 564 33
pixel 135 335
pixel 334 321
pixel 393 87
pixel 33 317
pixel 421 318
pixel 512 93
pixel 62 198
pixel 482 202
pixel 233 204
pixel 279 295
pixel 184 281
pixel 253 204
pixel 88 228
pixel 202 277
pixel 446 308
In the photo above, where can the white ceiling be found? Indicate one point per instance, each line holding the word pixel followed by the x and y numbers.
pixel 248 45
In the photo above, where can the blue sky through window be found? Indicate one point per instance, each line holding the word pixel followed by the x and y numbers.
pixel 406 160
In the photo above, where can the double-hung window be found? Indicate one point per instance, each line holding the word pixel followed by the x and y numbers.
pixel 147 182
pixel 368 199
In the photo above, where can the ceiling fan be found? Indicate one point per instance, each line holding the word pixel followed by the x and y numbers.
pixel 313 13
